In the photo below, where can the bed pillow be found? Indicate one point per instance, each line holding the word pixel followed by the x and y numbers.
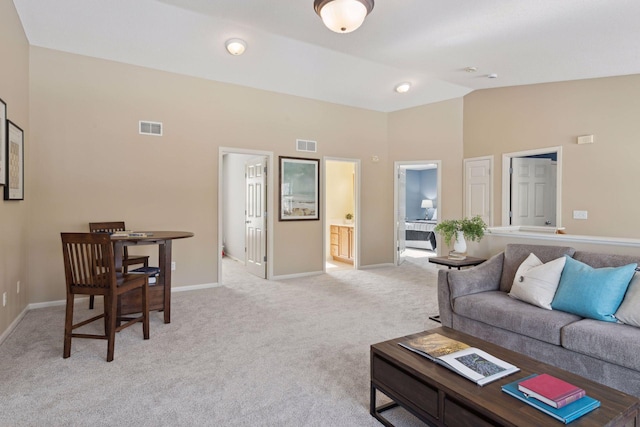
pixel 590 292
pixel 535 282
pixel 629 311
pixel 435 214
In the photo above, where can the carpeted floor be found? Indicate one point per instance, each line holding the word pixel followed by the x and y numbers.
pixel 249 353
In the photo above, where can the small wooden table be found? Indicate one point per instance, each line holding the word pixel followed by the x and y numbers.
pixel 159 293
pixel 441 397
pixel 467 262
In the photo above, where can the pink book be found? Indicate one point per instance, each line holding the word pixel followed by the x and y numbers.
pixel 551 390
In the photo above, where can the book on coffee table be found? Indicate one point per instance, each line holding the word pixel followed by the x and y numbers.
pixel 472 363
pixel 551 390
pixel 566 414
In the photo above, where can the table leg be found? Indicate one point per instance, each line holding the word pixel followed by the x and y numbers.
pixel 376 411
pixel 164 259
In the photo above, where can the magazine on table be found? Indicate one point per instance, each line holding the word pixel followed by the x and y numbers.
pixel 472 363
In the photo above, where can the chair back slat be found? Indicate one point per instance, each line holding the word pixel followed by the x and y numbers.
pixel 88 260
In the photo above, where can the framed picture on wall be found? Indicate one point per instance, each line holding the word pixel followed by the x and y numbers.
pixel 14 186
pixel 299 186
pixel 3 142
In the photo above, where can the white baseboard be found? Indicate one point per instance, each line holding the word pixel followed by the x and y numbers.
pixel 13 325
pixel 195 287
pixel 373 266
pixel 37 305
pixel 295 276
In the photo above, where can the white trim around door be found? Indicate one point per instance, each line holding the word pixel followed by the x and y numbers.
pixel 270 209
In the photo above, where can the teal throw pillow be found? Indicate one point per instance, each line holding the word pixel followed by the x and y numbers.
pixel 590 292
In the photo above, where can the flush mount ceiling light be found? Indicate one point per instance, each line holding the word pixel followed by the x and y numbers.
pixel 343 16
pixel 236 46
pixel 403 87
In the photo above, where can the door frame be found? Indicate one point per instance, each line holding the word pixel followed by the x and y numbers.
pixel 270 212
pixel 506 181
pixel 464 188
pixel 356 215
pixel 396 169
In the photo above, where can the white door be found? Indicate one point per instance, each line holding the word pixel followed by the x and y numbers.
pixel 532 192
pixel 478 189
pixel 255 218
pixel 402 214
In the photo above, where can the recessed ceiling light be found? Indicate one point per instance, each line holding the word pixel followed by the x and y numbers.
pixel 236 46
pixel 403 87
pixel 471 69
pixel 493 76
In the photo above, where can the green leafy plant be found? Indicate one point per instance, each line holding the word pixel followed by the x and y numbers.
pixel 349 216
pixel 473 229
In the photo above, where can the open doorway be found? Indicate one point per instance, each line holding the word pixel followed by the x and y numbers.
pixel 245 189
pixel 416 198
pixel 341 209
pixel 531 189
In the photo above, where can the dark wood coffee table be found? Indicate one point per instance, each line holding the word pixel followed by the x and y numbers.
pixel 440 397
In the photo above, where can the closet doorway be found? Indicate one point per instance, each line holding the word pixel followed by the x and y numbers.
pixel 341 213
pixel 245 219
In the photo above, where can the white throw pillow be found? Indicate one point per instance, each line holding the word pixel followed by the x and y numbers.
pixel 435 214
pixel 629 310
pixel 535 282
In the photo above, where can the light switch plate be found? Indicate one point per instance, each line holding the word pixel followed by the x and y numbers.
pixel 579 214
pixel 585 139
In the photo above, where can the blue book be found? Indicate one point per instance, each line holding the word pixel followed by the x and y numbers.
pixel 566 414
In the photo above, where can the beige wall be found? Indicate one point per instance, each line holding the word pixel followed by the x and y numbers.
pixel 14 91
pixel 601 178
pixel 89 163
pixel 432 132
pixel 340 191
pixel 85 160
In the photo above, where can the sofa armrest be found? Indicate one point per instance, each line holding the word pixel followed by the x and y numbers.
pixel 455 283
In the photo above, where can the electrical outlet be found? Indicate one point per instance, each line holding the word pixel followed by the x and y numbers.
pixel 18 287
pixel 4 299
pixel 173 266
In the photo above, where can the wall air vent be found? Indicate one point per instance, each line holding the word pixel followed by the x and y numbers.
pixel 308 146
pixel 150 128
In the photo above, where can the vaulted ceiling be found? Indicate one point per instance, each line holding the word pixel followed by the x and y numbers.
pixel 429 43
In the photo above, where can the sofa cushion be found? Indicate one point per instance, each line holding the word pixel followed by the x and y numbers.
pixel 629 310
pixel 590 292
pixel 610 342
pixel 515 254
pixel 599 260
pixel 497 309
pixel 536 283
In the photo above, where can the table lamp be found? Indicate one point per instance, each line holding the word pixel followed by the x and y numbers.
pixel 427 204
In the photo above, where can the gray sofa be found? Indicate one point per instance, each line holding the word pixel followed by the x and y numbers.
pixel 476 301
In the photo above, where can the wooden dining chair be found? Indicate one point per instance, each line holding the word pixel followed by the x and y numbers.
pixel 89 268
pixel 127 260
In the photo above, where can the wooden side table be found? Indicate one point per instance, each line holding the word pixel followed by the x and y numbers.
pixel 467 262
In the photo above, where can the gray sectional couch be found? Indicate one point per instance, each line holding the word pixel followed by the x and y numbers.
pixel 476 301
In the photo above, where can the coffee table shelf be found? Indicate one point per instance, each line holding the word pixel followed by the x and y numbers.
pixel 440 397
